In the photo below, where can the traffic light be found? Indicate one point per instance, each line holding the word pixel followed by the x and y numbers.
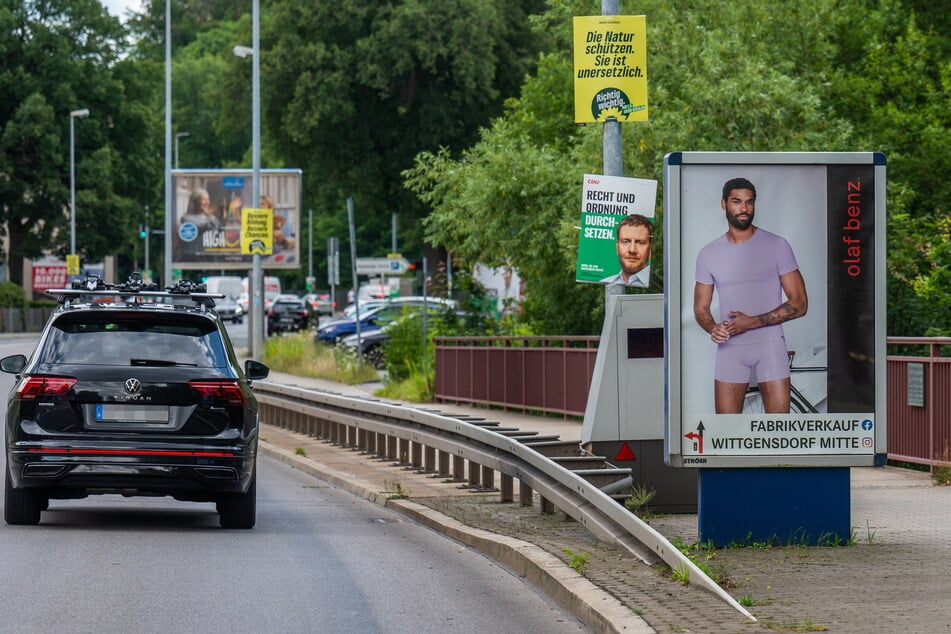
pixel 143 231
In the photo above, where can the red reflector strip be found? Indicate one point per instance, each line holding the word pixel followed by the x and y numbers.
pixel 133 452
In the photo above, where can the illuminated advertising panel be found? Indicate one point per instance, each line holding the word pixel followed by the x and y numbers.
pixel 207 212
pixel 775 309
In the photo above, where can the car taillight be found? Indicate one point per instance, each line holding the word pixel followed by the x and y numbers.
pixel 36 386
pixel 221 392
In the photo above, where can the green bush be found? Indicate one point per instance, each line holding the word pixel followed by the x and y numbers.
pixel 12 295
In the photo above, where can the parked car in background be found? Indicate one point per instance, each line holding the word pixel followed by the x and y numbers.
pixel 411 300
pixel 288 313
pixel 229 309
pixel 320 303
pixel 337 329
pixel 137 394
pixel 370 344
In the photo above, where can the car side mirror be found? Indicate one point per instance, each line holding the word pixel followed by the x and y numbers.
pixel 13 364
pixel 254 370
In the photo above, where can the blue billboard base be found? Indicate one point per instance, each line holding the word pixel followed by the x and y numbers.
pixel 774 506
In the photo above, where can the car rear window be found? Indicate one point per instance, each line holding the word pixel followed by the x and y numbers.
pixel 117 339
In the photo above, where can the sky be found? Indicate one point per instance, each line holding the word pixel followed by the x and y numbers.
pixel 119 8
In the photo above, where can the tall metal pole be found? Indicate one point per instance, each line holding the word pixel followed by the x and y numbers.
pixel 167 267
pixel 148 230
pixel 310 244
pixel 257 276
pixel 73 115
pixel 353 268
pixel 393 231
pixel 611 146
pixel 72 185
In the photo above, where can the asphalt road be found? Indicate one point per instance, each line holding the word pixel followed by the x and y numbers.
pixel 319 559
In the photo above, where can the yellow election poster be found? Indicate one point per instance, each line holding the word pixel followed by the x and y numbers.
pixel 257 231
pixel 610 68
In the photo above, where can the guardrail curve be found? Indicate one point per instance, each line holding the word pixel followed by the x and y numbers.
pixel 415 435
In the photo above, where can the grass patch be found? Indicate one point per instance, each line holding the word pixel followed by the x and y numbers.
pixel 416 388
pixel 394 491
pixel 299 354
pixel 702 555
pixel 641 495
pixel 577 562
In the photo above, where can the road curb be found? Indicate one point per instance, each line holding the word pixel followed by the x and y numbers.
pixel 577 595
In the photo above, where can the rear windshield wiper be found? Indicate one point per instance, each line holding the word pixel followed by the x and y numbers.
pixel 159 362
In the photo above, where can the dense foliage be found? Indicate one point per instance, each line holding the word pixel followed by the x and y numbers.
pixel 399 103
pixel 738 76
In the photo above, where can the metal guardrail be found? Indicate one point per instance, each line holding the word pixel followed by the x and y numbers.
pixel 428 438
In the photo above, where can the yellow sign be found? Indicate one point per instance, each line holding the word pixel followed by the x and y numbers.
pixel 610 68
pixel 72 264
pixel 257 231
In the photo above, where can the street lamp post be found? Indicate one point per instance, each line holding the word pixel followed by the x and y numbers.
pixel 256 283
pixel 178 135
pixel 73 115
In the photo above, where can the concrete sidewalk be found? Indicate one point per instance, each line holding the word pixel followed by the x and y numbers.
pixel 893 577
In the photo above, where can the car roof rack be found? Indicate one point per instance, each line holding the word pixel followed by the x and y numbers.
pixel 135 289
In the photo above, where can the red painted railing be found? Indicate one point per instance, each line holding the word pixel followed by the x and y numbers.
pixel 531 374
pixel 553 375
pixel 919 401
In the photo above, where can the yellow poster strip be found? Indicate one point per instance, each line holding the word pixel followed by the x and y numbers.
pixel 610 68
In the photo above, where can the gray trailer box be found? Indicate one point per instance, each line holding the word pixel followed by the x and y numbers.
pixel 624 416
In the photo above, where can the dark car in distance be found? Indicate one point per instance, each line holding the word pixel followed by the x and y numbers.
pixel 137 392
pixel 286 314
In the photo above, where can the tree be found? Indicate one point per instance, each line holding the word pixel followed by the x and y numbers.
pixel 513 198
pixel 56 57
pixel 355 89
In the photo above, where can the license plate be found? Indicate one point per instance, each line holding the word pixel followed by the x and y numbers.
pixel 131 413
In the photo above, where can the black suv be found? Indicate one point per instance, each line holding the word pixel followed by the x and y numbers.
pixel 132 391
pixel 287 314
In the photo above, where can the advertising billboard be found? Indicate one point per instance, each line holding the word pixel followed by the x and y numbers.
pixel 775 317
pixel 207 215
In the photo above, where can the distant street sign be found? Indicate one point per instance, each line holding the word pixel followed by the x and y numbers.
pixel 382 266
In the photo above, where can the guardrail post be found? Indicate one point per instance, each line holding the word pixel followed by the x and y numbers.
pixel 507 486
pixel 430 459
pixel 474 473
pixel 444 464
pixel 417 461
pixel 525 494
pixel 458 468
pixel 404 455
pixel 547 507
pixel 391 447
pixel 363 442
pixel 488 479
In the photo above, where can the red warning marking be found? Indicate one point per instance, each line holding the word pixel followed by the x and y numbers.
pixel 625 453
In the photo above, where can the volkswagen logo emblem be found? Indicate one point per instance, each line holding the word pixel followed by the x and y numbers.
pixel 132 386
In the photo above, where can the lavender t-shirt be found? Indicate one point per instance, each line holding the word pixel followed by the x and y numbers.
pixel 746 278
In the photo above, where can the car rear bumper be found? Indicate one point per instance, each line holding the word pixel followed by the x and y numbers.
pixel 192 473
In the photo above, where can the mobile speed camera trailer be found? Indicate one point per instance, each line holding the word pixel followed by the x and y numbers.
pixel 624 416
pixel 780 477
